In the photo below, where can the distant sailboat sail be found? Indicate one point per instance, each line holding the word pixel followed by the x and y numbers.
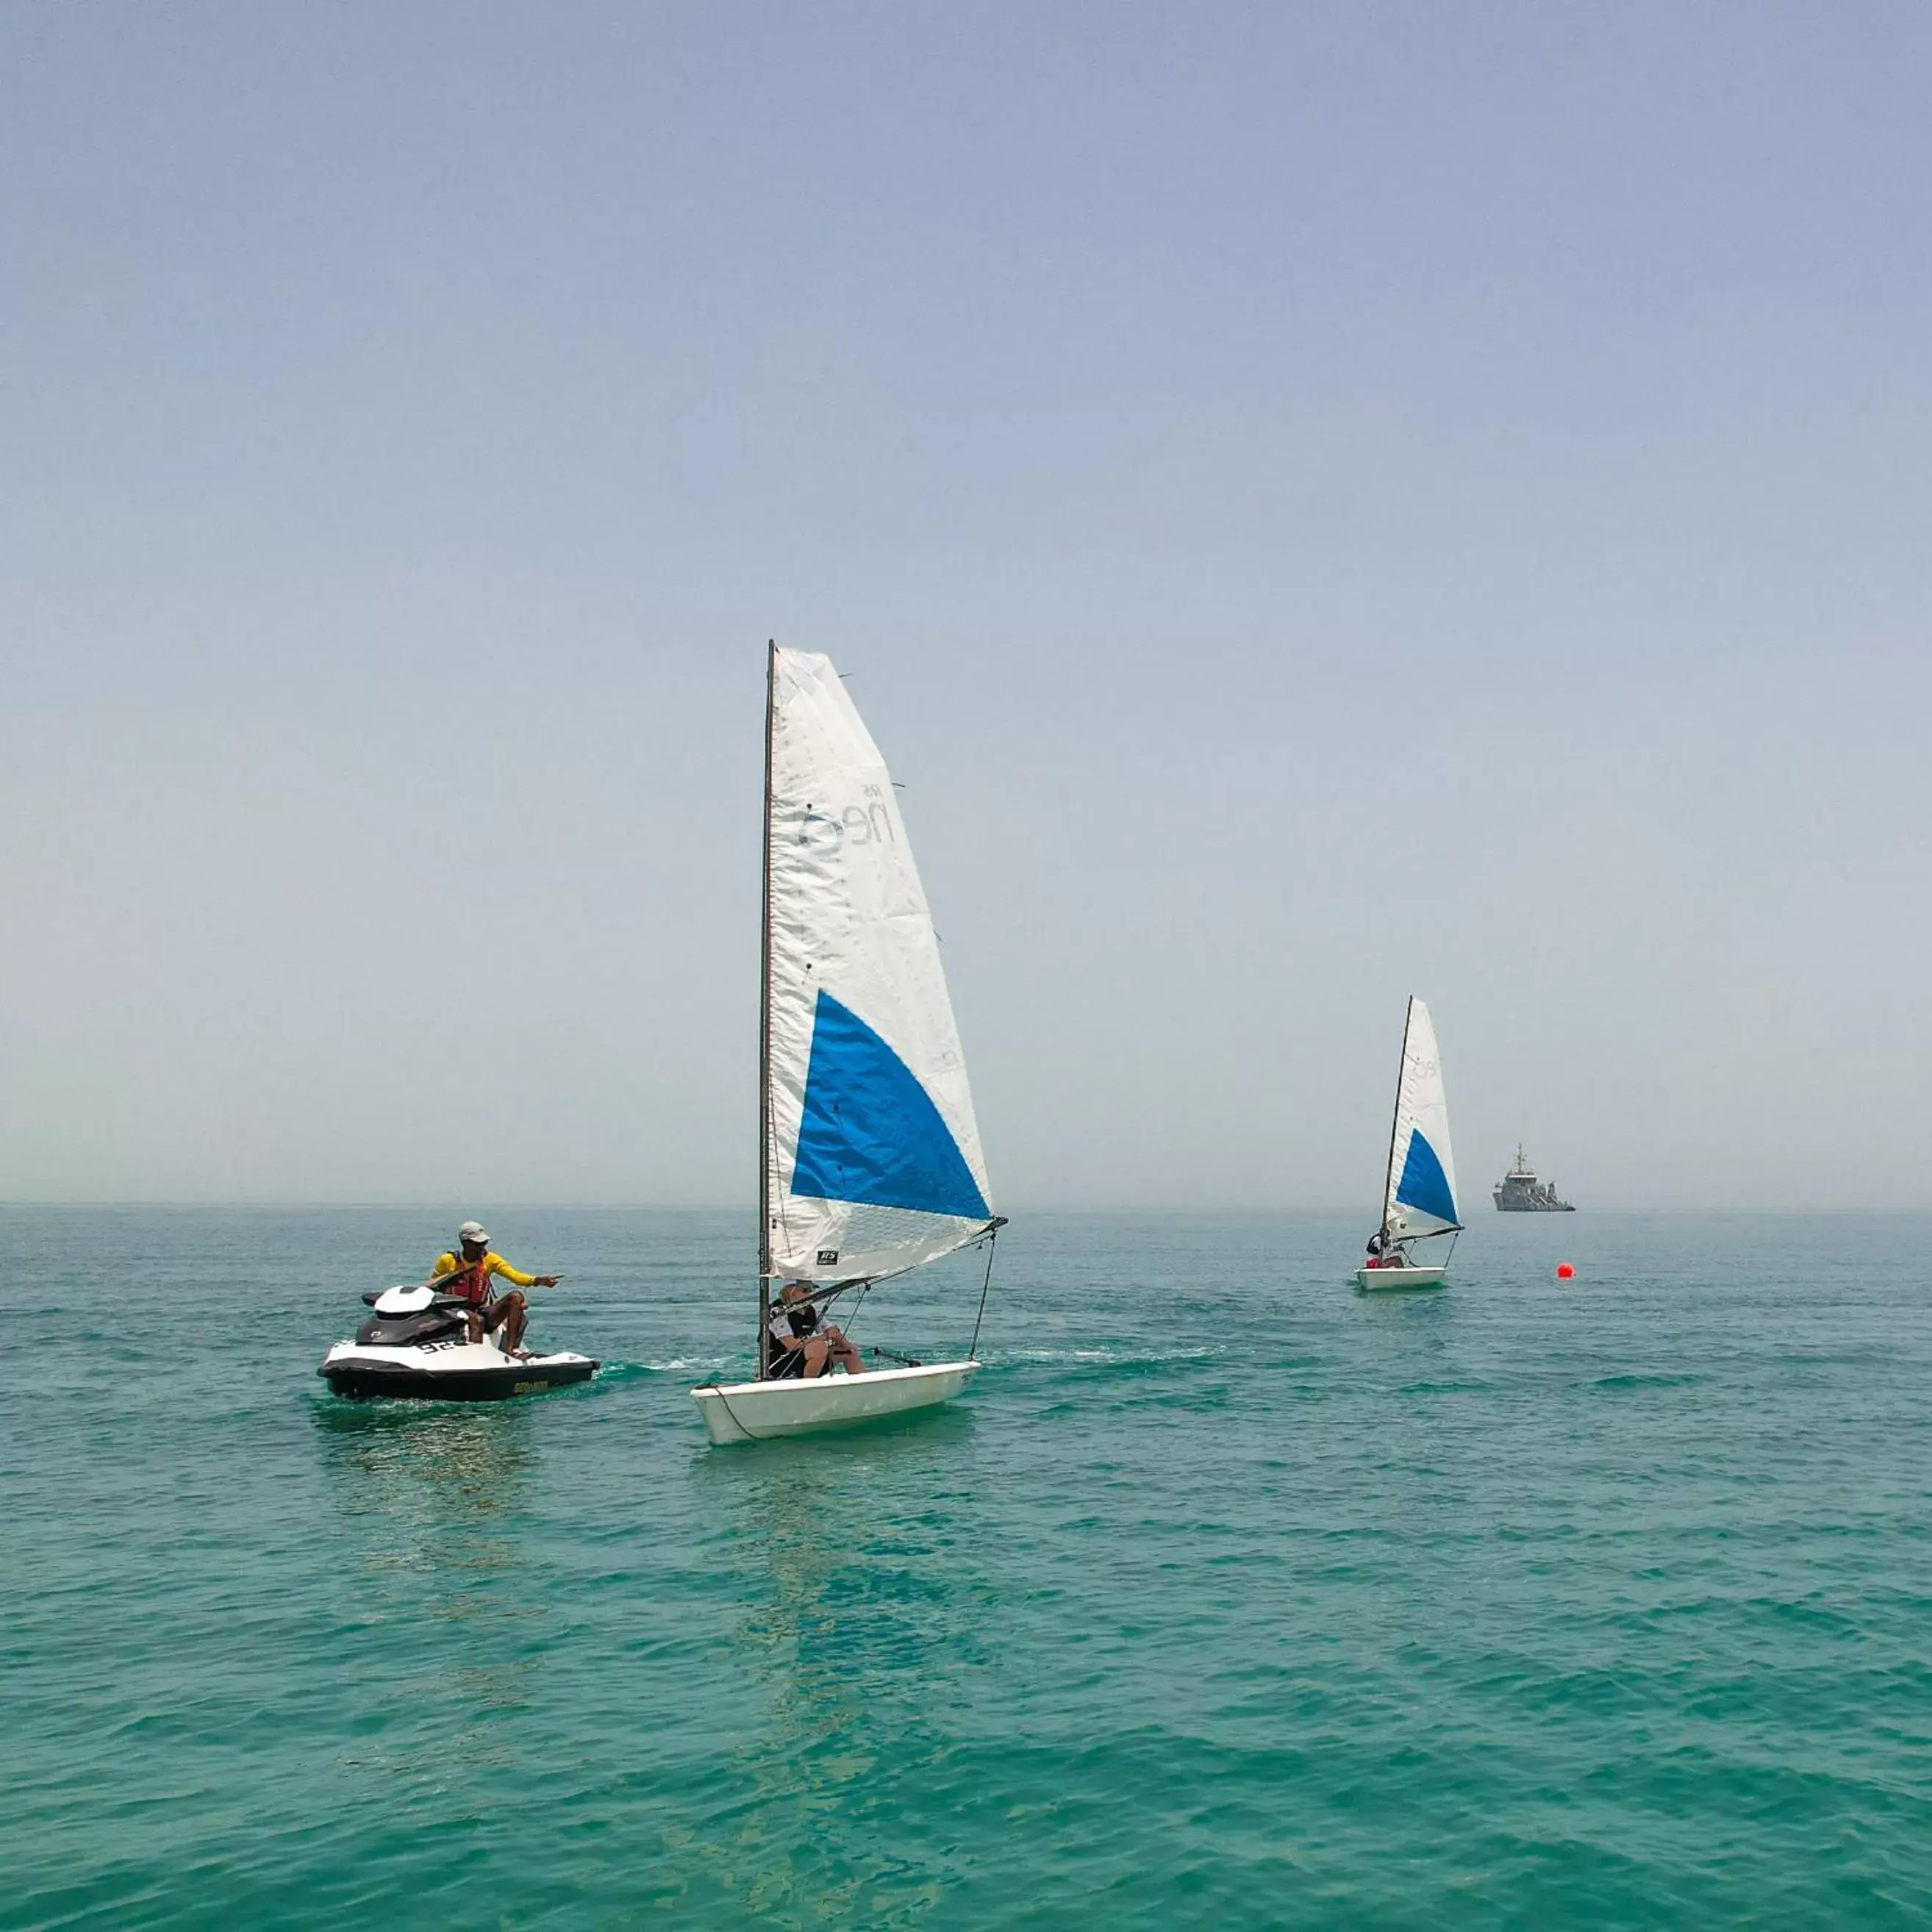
pixel 1420 1198
pixel 872 1159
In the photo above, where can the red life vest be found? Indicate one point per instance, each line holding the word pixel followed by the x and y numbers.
pixel 470 1281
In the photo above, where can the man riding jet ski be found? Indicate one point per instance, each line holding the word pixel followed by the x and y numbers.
pixel 466 1270
pixel 449 1339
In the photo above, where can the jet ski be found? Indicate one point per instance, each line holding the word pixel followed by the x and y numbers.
pixel 416 1343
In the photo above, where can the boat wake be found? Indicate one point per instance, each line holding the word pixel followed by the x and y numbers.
pixel 677 1365
pixel 1635 1381
pixel 1103 1358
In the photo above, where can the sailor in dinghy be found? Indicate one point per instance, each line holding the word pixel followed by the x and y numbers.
pixel 1419 1184
pixel 800 1344
pixel 869 1164
pixel 1384 1251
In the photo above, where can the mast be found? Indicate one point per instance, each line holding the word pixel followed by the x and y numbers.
pixel 1395 1119
pixel 765 1028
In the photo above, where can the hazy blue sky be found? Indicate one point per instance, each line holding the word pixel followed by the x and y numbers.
pixel 1318 502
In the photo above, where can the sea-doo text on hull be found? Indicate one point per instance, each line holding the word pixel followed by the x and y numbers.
pixel 416 1343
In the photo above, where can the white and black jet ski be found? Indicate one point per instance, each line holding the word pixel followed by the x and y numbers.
pixel 415 1344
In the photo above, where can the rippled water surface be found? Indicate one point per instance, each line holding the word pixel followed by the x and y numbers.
pixel 1228 1595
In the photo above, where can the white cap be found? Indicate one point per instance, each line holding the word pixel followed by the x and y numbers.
pixel 472 1230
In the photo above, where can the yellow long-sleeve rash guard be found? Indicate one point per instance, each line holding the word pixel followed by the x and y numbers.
pixel 493 1263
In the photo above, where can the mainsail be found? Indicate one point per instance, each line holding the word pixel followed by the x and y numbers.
pixel 1420 1196
pixel 871 1155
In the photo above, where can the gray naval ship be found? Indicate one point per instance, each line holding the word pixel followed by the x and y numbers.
pixel 1520 1192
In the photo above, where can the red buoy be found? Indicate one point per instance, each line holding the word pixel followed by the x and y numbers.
pixel 1564 1271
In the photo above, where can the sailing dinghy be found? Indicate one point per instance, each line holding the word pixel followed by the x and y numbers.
pixel 1419 1190
pixel 868 1160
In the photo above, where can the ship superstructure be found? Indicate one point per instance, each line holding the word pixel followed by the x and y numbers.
pixel 1520 1192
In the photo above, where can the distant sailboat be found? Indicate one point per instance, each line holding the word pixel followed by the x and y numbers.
pixel 1419 1189
pixel 869 1159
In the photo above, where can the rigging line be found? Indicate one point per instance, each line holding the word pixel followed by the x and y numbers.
pixel 750 1435
pixel 992 1247
pixel 865 1287
pixel 817 1297
pixel 889 1355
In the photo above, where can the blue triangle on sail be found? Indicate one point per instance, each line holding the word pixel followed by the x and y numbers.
pixel 1423 1184
pixel 870 1132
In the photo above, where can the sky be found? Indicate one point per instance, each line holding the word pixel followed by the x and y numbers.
pixel 1317 503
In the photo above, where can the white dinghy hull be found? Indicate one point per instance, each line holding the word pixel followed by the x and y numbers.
pixel 759 1412
pixel 1382 1279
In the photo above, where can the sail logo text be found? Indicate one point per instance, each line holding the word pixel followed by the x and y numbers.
pixel 867 824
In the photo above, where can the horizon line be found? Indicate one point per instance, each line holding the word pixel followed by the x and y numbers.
pixel 265 1204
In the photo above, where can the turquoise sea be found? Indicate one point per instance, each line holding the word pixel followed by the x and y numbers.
pixel 1228 1596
